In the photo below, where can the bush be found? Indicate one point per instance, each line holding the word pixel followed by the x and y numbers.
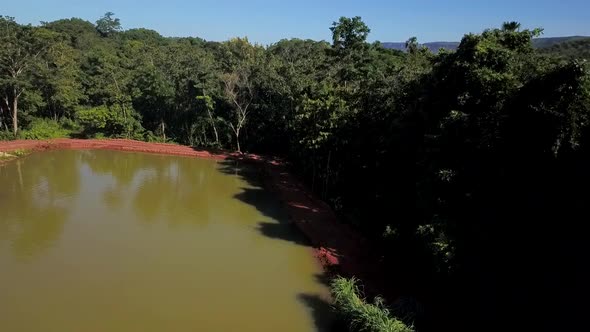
pixel 103 121
pixel 70 124
pixel 153 138
pixel 6 135
pixel 360 315
pixel 44 129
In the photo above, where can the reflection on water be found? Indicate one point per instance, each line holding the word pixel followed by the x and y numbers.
pixel 30 188
pixel 113 241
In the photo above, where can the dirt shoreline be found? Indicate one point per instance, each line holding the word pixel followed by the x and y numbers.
pixel 337 248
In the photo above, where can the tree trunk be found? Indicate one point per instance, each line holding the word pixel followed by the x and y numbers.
pixel 238 140
pixel 313 172
pixel 214 127
pixel 15 115
pixel 163 129
pixel 326 184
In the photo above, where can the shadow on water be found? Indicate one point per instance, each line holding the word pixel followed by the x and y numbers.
pixel 320 308
pixel 265 202
pixel 254 194
pixel 321 312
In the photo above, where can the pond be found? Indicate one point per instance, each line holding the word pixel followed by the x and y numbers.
pixel 97 240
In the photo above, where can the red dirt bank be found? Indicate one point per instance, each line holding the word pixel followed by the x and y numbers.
pixel 335 245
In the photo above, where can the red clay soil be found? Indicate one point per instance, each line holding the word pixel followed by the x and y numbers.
pixel 109 144
pixel 337 247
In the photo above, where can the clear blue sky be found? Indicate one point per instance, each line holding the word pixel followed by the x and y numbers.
pixel 266 21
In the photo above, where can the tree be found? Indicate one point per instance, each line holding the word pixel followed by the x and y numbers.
pixel 350 51
pixel 58 77
pixel 154 96
pixel 107 79
pixel 82 34
pixel 210 107
pixel 349 33
pixel 19 54
pixel 412 45
pixel 239 91
pixel 238 81
pixel 108 25
pixel 107 121
pixel 511 26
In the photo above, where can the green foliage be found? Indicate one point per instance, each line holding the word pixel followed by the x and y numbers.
pixel 108 121
pixel 108 25
pixel 319 117
pixel 363 316
pixel 80 34
pixel 541 43
pixel 6 135
pixel 44 129
pixel 20 56
pixel 349 33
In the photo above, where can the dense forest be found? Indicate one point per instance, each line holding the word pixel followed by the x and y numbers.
pixel 467 170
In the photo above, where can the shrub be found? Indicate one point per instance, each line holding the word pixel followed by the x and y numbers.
pixel 103 121
pixel 44 129
pixel 6 135
pixel 153 138
pixel 70 124
pixel 360 315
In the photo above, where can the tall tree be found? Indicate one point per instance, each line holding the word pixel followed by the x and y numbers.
pixel 58 77
pixel 412 45
pixel 238 81
pixel 108 24
pixel 349 33
pixel 19 54
pixel 239 91
pixel 154 96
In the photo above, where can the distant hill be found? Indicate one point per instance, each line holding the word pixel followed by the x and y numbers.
pixel 548 42
pixel 435 46
pixel 570 49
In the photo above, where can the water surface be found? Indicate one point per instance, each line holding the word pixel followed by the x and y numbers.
pixel 115 241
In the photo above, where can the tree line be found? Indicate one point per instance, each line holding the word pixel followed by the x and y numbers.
pixel 467 170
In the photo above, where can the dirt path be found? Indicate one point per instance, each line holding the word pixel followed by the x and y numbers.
pixel 338 248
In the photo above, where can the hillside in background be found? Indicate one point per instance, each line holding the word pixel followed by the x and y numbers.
pixel 537 43
pixel 432 46
pixel 548 42
pixel 578 49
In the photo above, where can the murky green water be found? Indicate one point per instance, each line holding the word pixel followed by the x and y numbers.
pixel 114 241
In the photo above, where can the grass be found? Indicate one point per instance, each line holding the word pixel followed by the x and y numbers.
pixel 360 315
